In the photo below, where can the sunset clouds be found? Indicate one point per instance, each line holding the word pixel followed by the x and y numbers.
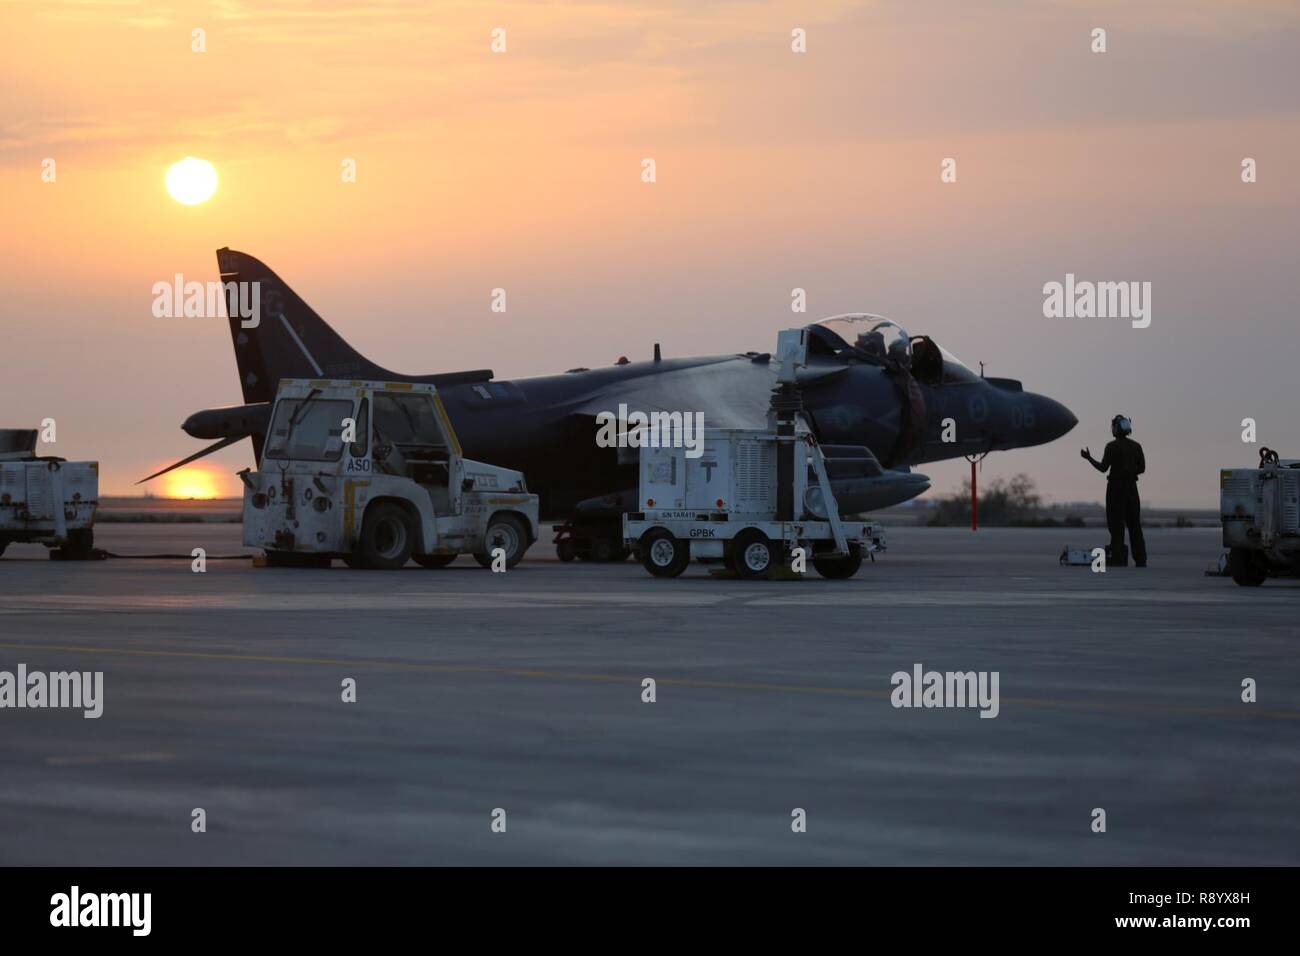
pixel 478 170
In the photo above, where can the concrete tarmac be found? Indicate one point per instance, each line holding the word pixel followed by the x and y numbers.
pixel 523 691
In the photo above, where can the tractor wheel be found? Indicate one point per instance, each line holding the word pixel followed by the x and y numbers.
pixel 508 533
pixel 387 536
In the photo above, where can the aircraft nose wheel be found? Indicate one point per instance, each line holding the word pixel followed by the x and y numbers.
pixel 838 568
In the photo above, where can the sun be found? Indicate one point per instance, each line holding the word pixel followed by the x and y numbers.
pixel 191 181
pixel 190 483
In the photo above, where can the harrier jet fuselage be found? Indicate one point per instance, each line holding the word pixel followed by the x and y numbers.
pixel 866 383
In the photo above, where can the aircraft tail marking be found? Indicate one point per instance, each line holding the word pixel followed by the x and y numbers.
pixel 291 341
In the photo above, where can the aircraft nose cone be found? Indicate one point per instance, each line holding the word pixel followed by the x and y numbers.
pixel 1052 419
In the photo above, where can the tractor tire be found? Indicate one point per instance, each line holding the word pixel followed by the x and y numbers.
pixel 507 532
pixel 387 537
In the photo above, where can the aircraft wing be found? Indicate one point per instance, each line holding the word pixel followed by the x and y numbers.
pixel 733 393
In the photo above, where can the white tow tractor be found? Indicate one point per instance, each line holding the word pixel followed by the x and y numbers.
pixel 372 473
pixel 750 498
pixel 47 501
pixel 1260 512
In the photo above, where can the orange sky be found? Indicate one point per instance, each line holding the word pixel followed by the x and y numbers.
pixel 775 170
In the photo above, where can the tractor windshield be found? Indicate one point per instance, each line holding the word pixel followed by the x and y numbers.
pixel 407 420
pixel 310 429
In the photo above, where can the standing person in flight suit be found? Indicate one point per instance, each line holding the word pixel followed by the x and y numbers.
pixel 1125 461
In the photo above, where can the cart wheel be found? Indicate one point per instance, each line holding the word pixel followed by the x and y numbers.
pixel 434 560
pixel 1247 568
pixel 508 533
pixel 836 568
pixel 663 555
pixel 752 554
pixel 387 536
pixel 566 550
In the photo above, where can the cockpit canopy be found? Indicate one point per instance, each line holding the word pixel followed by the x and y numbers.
pixel 873 336
pixel 881 341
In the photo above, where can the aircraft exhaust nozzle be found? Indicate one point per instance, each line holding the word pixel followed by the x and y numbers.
pixel 232 421
pixel 866 494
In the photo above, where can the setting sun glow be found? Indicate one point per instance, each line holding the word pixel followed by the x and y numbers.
pixel 191 181
pixel 190 483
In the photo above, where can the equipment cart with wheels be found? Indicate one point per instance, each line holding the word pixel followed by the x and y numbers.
pixel 748 496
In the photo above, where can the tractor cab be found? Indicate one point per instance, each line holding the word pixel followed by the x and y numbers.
pixel 373 473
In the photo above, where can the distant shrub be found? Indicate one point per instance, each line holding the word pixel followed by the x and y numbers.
pixel 1010 503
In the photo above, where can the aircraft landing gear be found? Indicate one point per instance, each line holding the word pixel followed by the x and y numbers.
pixel 590 542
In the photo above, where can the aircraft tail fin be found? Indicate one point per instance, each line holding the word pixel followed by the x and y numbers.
pixel 287 339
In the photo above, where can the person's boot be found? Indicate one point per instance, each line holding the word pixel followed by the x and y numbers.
pixel 1117 559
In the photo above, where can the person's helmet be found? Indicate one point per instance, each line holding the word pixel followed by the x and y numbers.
pixel 1120 425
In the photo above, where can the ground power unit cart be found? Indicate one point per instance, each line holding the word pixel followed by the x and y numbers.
pixel 46 500
pixel 1260 512
pixel 750 497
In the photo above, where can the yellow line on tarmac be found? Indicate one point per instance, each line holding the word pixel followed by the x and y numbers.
pixel 1246 710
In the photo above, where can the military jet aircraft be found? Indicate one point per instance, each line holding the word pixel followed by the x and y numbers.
pixel 867 384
